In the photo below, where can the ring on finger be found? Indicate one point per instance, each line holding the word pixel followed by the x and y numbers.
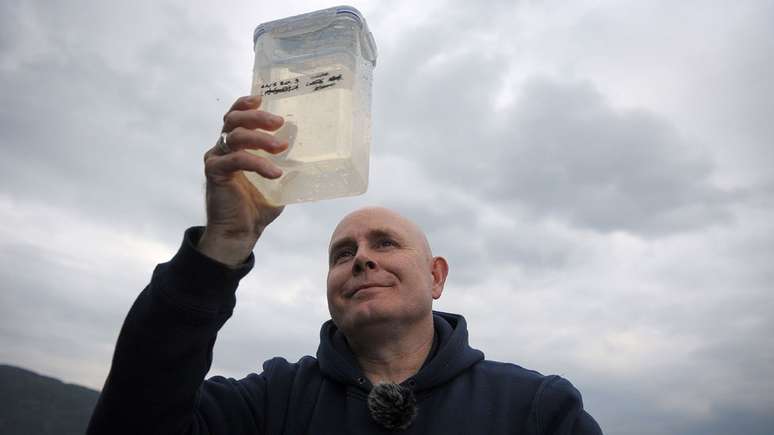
pixel 222 144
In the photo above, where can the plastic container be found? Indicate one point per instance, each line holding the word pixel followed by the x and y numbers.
pixel 315 71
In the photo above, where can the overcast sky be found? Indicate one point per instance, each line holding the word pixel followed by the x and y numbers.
pixel 597 173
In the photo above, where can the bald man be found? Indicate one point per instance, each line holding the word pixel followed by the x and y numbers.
pixel 386 363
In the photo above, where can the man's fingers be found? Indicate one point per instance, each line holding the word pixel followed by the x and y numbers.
pixel 240 123
pixel 245 103
pixel 251 119
pixel 226 165
pixel 241 138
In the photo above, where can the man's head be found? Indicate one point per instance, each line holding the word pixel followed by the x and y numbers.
pixel 381 269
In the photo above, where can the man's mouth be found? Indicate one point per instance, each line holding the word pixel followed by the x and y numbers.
pixel 365 286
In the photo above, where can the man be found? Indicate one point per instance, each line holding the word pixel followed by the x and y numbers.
pixel 386 362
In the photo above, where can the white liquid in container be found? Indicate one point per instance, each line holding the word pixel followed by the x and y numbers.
pixel 316 74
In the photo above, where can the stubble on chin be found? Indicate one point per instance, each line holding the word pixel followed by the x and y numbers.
pixel 361 318
pixel 378 318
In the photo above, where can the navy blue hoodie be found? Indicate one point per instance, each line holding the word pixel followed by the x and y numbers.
pixel 156 384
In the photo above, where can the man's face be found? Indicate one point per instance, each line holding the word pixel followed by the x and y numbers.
pixel 380 269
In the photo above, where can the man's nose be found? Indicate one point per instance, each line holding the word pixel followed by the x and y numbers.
pixel 362 262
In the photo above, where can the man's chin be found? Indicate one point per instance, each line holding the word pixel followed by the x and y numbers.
pixel 376 317
pixel 365 316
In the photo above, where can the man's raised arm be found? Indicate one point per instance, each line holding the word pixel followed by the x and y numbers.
pixel 156 382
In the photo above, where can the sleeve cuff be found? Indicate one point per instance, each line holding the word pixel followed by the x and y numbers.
pixel 197 282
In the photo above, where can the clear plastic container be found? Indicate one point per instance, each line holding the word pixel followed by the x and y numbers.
pixel 315 71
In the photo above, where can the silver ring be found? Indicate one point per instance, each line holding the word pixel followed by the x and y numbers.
pixel 222 144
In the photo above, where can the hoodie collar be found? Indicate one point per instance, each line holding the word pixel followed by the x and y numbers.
pixel 451 354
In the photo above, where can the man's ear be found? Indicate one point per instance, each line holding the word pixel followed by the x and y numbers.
pixel 439 270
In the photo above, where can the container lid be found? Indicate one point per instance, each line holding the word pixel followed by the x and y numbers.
pixel 312 21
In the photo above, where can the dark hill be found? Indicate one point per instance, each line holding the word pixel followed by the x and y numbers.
pixel 31 404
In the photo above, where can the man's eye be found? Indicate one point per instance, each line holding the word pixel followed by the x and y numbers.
pixel 344 253
pixel 387 242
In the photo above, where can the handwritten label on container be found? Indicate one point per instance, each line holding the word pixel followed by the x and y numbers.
pixel 306 84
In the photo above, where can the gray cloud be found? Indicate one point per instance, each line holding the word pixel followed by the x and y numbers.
pixel 560 149
pixel 85 115
pixel 60 318
pixel 571 155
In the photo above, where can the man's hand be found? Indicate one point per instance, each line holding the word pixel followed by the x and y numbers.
pixel 237 213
